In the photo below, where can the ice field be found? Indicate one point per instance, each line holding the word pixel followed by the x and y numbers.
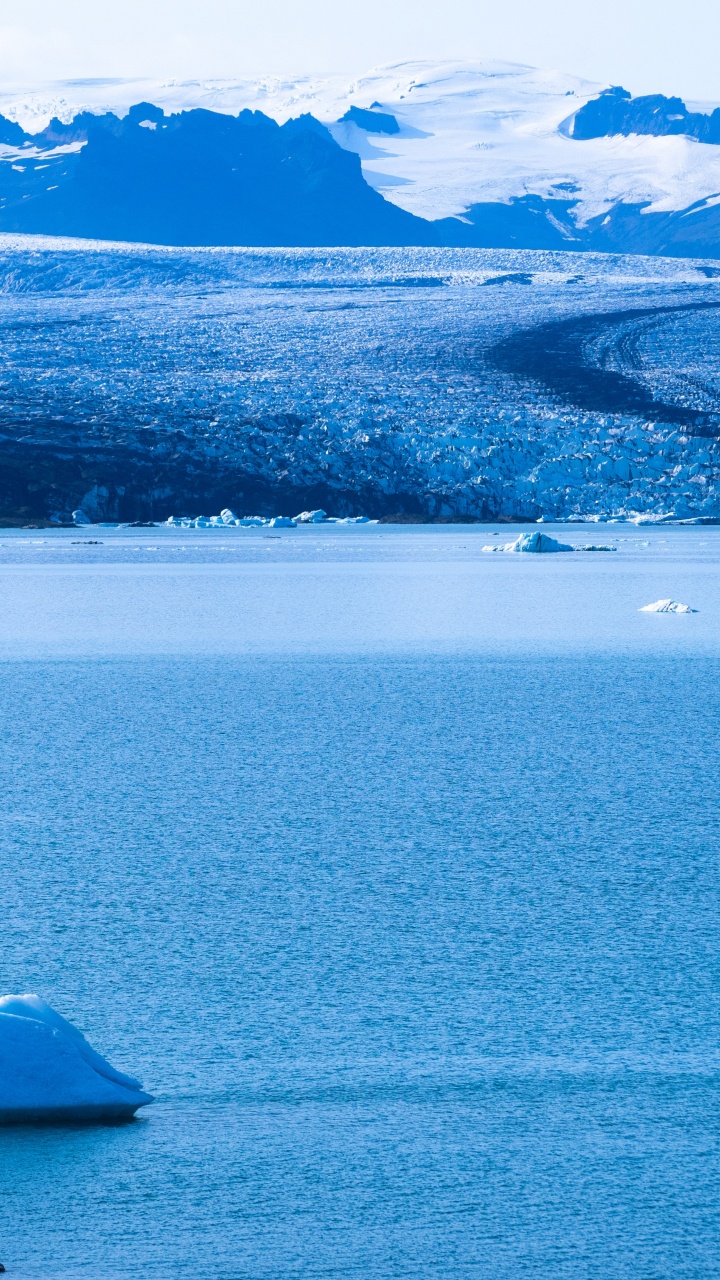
pixel 144 383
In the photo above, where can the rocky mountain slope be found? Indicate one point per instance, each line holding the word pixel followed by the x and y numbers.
pixel 196 177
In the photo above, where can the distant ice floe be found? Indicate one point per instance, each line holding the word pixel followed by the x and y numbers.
pixel 228 518
pixel 536 542
pixel 666 606
pixel 48 1071
pixel 542 542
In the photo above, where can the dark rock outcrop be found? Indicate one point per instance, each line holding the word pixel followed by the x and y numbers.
pixel 371 121
pixel 615 111
pixel 200 177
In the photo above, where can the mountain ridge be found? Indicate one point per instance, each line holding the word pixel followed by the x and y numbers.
pixel 468 155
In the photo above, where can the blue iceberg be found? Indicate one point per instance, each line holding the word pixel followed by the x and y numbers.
pixel 48 1071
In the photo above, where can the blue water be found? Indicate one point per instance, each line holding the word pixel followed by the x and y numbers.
pixel 418 952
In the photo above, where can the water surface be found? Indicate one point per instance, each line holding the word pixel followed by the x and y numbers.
pixel 413 937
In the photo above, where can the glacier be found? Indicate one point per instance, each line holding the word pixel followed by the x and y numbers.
pixel 141 383
pixel 48 1071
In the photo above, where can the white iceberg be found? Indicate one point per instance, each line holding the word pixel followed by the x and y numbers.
pixel 228 519
pixel 311 517
pixel 536 542
pixel 666 606
pixel 79 517
pixel 48 1071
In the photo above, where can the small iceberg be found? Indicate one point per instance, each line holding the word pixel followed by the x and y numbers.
pixel 311 517
pixel 666 606
pixel 535 542
pixel 48 1071
pixel 228 519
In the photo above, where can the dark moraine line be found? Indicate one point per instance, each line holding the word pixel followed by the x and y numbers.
pixel 556 354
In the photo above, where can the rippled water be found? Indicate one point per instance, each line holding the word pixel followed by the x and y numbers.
pixel 417 948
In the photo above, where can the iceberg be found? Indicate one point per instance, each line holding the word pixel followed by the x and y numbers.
pixel 536 542
pixel 227 519
pixel 666 606
pixel 79 517
pixel 311 517
pixel 48 1071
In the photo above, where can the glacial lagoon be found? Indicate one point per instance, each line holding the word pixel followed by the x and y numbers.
pixel 390 868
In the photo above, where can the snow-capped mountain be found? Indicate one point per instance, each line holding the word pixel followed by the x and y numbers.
pixel 508 153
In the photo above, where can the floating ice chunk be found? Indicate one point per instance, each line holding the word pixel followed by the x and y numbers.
pixel 228 519
pixel 79 517
pixel 535 542
pixel 311 517
pixel 666 606
pixel 601 546
pixel 48 1071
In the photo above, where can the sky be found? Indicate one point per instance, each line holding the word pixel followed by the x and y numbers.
pixel 646 45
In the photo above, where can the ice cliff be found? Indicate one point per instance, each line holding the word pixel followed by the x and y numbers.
pixel 48 1071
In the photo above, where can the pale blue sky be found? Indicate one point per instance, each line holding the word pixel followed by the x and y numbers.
pixel 647 45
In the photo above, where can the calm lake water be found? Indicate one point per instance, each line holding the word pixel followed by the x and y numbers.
pixel 391 868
